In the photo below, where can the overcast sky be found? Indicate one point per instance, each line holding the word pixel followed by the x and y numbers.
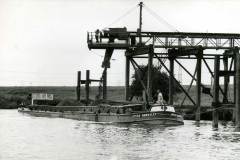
pixel 43 42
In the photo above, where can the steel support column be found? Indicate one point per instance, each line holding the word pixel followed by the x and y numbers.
pixel 198 83
pixel 226 79
pixel 216 92
pixel 87 85
pixel 237 102
pixel 127 73
pixel 150 68
pixel 78 85
pixel 171 80
pixel 104 77
pixel 226 83
pixel 234 86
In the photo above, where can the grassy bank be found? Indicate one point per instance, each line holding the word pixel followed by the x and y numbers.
pixel 10 97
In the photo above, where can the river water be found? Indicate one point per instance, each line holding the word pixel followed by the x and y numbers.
pixel 24 137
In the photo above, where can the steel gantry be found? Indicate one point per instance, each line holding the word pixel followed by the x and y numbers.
pixel 178 45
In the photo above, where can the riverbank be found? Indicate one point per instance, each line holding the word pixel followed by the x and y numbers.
pixel 11 97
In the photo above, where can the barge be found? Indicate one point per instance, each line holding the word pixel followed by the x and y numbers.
pixel 132 113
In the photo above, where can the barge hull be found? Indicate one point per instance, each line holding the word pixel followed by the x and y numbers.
pixel 158 119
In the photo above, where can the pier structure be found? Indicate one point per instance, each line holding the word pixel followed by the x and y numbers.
pixel 87 83
pixel 178 45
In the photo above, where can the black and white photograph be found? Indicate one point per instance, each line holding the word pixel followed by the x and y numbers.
pixel 119 80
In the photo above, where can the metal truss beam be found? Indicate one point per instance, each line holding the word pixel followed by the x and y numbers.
pixel 167 40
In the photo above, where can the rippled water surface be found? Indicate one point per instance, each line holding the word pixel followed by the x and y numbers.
pixel 23 137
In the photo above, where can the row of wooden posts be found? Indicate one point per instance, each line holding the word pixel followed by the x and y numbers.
pixel 226 73
pixel 103 84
